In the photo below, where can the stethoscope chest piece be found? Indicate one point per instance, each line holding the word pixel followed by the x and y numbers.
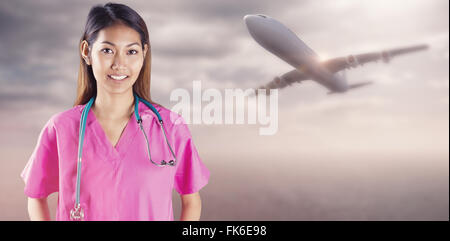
pixel 77 213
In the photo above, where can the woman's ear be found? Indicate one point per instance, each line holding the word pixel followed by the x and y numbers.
pixel 145 50
pixel 84 49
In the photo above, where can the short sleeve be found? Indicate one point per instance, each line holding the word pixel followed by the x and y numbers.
pixel 41 172
pixel 191 174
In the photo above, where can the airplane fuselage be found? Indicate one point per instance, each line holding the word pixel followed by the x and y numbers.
pixel 282 42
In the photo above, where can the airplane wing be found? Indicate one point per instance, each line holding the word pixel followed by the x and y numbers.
pixel 279 82
pixel 340 63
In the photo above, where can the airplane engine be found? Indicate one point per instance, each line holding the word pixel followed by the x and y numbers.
pixel 340 82
pixel 352 61
pixel 279 83
pixel 385 56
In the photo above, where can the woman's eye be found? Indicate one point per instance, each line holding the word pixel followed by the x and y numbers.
pixel 109 51
pixel 105 50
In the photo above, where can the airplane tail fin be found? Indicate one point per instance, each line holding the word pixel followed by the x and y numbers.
pixel 360 84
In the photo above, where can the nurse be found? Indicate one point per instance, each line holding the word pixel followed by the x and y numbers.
pixel 118 180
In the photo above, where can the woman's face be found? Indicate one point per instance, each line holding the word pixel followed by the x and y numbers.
pixel 116 58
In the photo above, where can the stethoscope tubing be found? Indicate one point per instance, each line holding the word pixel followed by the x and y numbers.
pixel 77 213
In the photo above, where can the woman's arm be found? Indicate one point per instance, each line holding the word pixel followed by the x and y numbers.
pixel 191 207
pixel 38 209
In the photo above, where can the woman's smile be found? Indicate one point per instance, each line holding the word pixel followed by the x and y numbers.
pixel 117 78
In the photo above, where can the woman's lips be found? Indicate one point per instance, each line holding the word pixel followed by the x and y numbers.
pixel 111 78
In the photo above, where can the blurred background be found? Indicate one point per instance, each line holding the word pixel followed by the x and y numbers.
pixel 376 153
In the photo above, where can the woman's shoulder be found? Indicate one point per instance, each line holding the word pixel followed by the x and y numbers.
pixel 168 115
pixel 178 124
pixel 67 116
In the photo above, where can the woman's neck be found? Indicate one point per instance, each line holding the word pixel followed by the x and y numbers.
pixel 113 106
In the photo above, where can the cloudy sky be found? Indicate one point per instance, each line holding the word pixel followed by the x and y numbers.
pixel 379 152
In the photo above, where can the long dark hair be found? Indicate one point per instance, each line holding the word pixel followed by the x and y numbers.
pixel 100 17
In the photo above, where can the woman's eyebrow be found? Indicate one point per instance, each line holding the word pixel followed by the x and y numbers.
pixel 107 42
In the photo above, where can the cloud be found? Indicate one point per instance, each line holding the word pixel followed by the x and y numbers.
pixel 208 41
pixel 181 39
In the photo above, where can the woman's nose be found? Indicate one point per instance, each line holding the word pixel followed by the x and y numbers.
pixel 119 62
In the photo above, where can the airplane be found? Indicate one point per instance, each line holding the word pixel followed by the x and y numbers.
pixel 282 42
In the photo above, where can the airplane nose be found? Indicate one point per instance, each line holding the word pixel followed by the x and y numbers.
pixel 248 18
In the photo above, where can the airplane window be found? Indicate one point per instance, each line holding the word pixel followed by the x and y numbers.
pixel 262 15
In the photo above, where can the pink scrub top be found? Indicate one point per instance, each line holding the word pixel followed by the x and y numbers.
pixel 117 183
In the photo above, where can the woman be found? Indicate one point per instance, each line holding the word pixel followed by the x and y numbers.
pixel 117 179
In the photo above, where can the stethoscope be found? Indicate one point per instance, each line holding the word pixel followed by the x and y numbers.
pixel 77 212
